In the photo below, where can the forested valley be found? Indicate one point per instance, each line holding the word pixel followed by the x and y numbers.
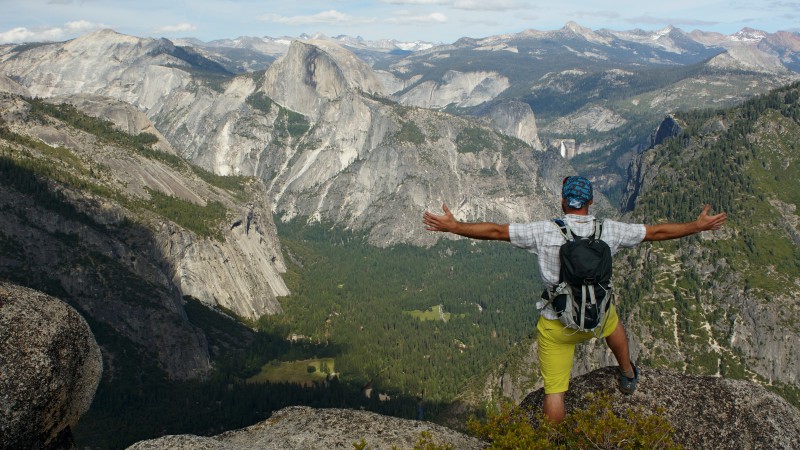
pixel 366 308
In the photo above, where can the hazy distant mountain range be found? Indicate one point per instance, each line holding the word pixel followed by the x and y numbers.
pixel 668 44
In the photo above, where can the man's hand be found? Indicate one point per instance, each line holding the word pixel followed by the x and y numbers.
pixel 704 222
pixel 445 222
pixel 707 223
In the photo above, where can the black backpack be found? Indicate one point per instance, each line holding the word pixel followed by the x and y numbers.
pixel 583 294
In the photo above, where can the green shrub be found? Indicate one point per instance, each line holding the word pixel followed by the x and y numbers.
pixel 596 426
pixel 426 442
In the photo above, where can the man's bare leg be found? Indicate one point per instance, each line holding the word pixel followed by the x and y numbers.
pixel 554 407
pixel 618 343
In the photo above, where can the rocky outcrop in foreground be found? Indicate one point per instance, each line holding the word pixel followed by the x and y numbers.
pixel 300 427
pixel 51 367
pixel 706 412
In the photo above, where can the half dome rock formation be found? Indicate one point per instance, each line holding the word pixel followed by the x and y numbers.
pixel 316 72
pixel 51 366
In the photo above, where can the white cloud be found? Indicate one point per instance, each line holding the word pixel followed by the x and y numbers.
pixel 326 17
pixel 177 28
pixel 493 5
pixel 81 26
pixel 677 21
pixel 408 17
pixel 416 2
pixel 469 5
pixel 67 31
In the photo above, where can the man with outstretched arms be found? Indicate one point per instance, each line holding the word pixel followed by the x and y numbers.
pixel 544 239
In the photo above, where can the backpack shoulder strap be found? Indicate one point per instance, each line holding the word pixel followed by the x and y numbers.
pixel 598 229
pixel 565 230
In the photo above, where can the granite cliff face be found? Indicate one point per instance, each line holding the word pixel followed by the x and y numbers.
pixel 97 236
pixel 638 169
pixel 350 156
pixel 313 73
pixel 458 89
pixel 338 171
pixel 134 70
pixel 513 118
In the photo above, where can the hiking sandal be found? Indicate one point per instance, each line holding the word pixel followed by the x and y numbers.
pixel 628 385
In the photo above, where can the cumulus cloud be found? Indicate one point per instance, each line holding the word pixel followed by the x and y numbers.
pixel 67 31
pixel 177 28
pixel 326 17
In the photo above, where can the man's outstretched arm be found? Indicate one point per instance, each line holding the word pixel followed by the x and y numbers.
pixel 447 223
pixel 704 222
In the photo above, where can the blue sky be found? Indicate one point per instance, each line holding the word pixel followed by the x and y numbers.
pixel 438 21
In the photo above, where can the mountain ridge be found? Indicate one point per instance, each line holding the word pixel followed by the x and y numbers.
pixel 88 207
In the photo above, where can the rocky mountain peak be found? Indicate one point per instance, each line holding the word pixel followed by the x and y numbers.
pixel 663 32
pixel 106 41
pixel 583 32
pixel 164 44
pixel 743 55
pixel 638 168
pixel 317 71
pixel 748 35
pixel 108 35
pixel 668 128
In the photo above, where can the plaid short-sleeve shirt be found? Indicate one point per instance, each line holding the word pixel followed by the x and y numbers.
pixel 544 239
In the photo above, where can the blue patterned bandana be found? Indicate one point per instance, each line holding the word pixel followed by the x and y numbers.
pixel 577 190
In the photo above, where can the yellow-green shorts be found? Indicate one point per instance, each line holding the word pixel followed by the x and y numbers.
pixel 557 348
